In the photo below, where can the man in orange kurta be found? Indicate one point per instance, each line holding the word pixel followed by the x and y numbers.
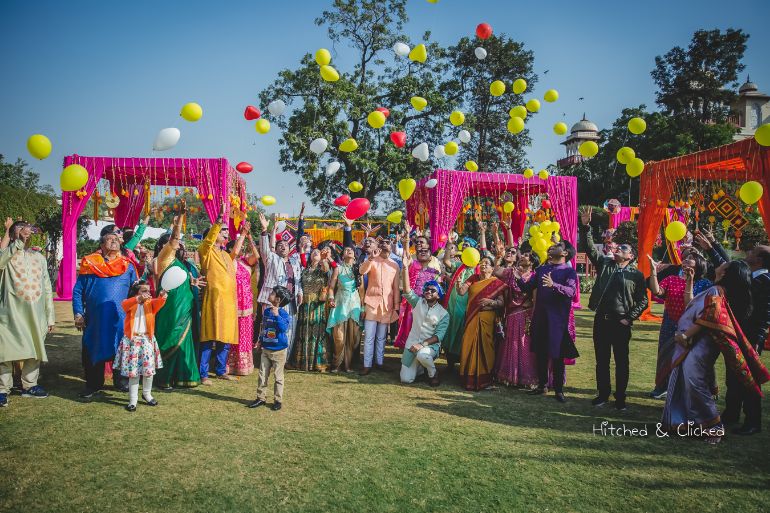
pixel 219 321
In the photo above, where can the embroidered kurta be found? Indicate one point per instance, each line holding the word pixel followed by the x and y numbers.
pixel 427 321
pixel 26 304
pixel 381 294
pixel 219 321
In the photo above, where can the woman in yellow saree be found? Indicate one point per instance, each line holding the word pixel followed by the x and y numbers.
pixel 477 356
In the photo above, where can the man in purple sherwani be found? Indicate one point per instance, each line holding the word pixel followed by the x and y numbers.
pixel 556 283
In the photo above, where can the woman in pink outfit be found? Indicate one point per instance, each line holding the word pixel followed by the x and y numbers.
pixel 241 359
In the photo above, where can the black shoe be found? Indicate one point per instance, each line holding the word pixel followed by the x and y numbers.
pixel 560 397
pixel 256 404
pixel 151 402
pixel 131 407
pixel 276 406
pixel 537 391
pixel 599 401
pixel 620 404
pixel 747 430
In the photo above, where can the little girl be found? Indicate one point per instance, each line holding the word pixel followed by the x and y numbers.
pixel 138 352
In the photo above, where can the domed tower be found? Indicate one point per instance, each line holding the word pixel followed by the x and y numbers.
pixel 751 109
pixel 581 131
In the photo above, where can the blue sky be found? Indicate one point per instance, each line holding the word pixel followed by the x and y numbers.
pixel 101 78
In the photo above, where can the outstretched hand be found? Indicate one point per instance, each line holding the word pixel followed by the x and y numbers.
pixel 263 221
pixel 585 216
pixel 8 223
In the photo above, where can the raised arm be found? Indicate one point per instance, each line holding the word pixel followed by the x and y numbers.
pixel 406 286
pixel 300 227
pixel 211 237
pixel 245 227
pixel 507 232
pixel 587 239
pixel 332 287
pixel 138 233
pixel 568 288
pixel 253 258
pixel 7 236
pixel 265 248
pixel 655 287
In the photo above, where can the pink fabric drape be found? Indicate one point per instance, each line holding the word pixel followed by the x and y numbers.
pixel 621 217
pixel 129 209
pixel 562 192
pixel 212 177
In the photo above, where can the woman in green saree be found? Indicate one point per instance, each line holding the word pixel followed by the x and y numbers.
pixel 175 323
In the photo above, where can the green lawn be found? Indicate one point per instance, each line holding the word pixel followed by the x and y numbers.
pixel 345 443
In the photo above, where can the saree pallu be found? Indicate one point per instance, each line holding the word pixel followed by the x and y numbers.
pixel 240 360
pixel 174 332
pixel 477 356
pixel 310 352
pixel 515 363
pixel 456 305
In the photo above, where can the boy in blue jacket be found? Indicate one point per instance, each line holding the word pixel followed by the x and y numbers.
pixel 275 323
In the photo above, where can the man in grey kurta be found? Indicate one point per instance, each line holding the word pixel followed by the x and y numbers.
pixel 26 311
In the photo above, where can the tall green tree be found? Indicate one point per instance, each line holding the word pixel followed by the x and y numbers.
pixel 337 111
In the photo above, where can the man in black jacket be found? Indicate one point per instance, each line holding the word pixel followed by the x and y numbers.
pixel 619 296
pixel 755 329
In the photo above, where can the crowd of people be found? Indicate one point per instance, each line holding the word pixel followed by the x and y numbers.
pixel 510 320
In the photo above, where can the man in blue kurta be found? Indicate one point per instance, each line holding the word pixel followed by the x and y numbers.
pixel 556 283
pixel 101 287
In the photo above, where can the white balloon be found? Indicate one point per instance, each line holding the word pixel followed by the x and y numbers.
pixel 166 139
pixel 401 49
pixel 421 152
pixel 173 278
pixel 431 183
pixel 319 145
pixel 332 167
pixel 276 107
pixel 280 226
pixel 439 152
pixel 481 54
pixel 464 136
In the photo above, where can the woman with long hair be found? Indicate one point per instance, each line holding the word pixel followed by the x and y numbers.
pixel 709 325
pixel 344 299
pixel 309 352
pixel 477 357
pixel 455 274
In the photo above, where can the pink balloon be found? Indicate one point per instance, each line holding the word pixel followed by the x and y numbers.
pixel 342 201
pixel 357 208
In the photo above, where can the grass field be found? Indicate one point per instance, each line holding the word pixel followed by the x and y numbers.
pixel 347 443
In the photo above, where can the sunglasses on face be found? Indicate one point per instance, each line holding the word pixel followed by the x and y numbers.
pixel 430 290
pixel 625 248
pixel 509 251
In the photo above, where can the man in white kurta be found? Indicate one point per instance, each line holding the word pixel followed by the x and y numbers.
pixel 26 311
pixel 429 326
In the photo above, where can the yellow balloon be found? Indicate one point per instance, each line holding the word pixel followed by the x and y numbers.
pixel 635 167
pixel 543 174
pixel 676 231
pixel 191 111
pixel 519 85
pixel 534 231
pixel 406 188
pixel 588 149
pixel 556 237
pixel 539 244
pixel 555 226
pixel 450 148
pixel 395 217
pixel 551 95
pixel 376 119
pixel 471 166
pixel 533 105
pixel 419 53
pixel 560 128
pixel 262 126
pixel 750 192
pixel 418 102
pixel 497 88
pixel 39 146
pixel 515 125
pixel 519 111
pixel 528 173
pixel 546 226
pixel 637 126
pixel 73 177
pixel 329 74
pixel 268 200
pixel 471 257
pixel 355 186
pixel 508 207
pixel 625 154
pixel 762 135
pixel 349 145
pixel 323 57
pixel 457 118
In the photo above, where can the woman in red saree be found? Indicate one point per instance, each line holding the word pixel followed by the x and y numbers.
pixel 477 355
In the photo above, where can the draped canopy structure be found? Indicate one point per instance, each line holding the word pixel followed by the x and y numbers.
pixel 214 179
pixel 443 203
pixel 740 161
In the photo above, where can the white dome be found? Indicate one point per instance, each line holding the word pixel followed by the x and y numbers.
pixel 584 126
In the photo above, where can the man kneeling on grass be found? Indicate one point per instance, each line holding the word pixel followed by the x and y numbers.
pixel 275 324
pixel 429 325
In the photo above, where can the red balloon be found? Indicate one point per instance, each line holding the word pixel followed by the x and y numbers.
pixel 546 204
pixel 252 113
pixel 385 111
pixel 398 139
pixel 357 208
pixel 484 30
pixel 244 167
pixel 442 239
pixel 342 201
